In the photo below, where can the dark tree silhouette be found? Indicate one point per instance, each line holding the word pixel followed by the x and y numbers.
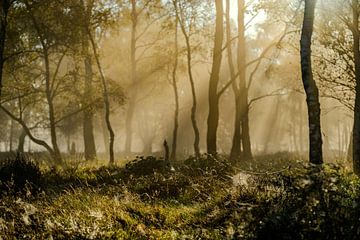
pixel 311 90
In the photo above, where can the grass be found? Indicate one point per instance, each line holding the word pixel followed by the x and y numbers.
pixel 301 202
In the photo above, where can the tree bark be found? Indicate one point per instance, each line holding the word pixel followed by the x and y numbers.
pixel 105 134
pixel 106 101
pixel 213 98
pixel 4 10
pixel 236 141
pixel 88 129
pixel 311 90
pixel 356 128
pixel 11 137
pixel 49 98
pixel 21 143
pixel 243 90
pixel 176 93
pixel 192 84
pixel 88 114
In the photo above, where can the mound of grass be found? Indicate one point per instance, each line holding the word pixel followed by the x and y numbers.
pixel 109 203
pixel 17 173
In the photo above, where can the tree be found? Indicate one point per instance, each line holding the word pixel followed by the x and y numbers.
pixel 88 129
pixel 105 98
pixel 186 31
pixel 213 97
pixel 311 90
pixel 39 81
pixel 138 9
pixel 236 142
pixel 356 51
pixel 242 91
pixel 175 89
pixel 4 11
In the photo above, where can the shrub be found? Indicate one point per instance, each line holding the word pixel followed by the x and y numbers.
pixel 16 173
pixel 207 165
pixel 143 166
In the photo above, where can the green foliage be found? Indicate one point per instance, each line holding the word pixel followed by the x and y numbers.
pixel 17 173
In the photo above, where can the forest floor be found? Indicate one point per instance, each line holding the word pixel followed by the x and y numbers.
pixel 271 197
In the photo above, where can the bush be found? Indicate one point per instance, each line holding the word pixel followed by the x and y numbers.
pixel 16 173
pixel 207 165
pixel 143 166
pixel 318 205
pixel 303 203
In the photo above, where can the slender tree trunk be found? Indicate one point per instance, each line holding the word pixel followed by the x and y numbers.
pixel 11 137
pixel 49 98
pixel 350 148
pixel 236 142
pixel 243 95
pixel 301 128
pixel 88 129
pixel 192 84
pixel 194 98
pixel 4 9
pixel 356 128
pixel 106 101
pixel 88 114
pixel 176 94
pixel 21 143
pixel 311 90
pixel 245 133
pixel 213 117
pixel 105 132
pixel 132 101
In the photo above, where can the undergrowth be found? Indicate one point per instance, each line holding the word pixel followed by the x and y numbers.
pixel 199 199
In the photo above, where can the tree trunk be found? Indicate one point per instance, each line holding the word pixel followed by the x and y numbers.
pixel 88 129
pixel 311 90
pixel 21 143
pixel 213 117
pixel 301 128
pixel 88 114
pixel 356 128
pixel 106 102
pixel 11 137
pixel 243 94
pixel 106 136
pixel 49 98
pixel 236 142
pixel 4 9
pixel 176 94
pixel 132 101
pixel 192 84
pixel 245 133
pixel 350 148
